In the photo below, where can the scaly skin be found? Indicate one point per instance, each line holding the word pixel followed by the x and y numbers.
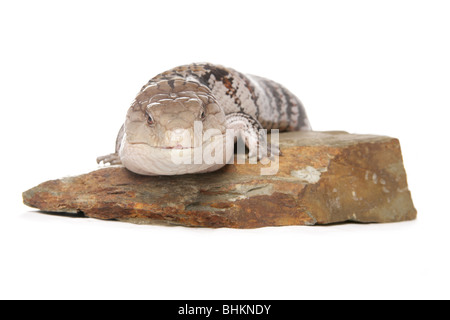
pixel 160 121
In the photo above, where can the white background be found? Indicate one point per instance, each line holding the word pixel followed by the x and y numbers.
pixel 70 69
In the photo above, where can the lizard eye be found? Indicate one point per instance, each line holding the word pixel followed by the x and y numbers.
pixel 203 115
pixel 150 119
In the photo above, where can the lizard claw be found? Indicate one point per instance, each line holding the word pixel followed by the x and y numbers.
pixel 112 158
pixel 270 152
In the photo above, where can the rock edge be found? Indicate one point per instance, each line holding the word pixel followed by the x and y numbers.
pixel 322 178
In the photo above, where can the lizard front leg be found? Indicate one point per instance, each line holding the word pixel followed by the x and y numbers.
pixel 254 135
pixel 113 158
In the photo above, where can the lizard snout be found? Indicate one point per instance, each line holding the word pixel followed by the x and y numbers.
pixel 179 138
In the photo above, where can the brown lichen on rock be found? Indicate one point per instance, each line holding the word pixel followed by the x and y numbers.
pixel 323 177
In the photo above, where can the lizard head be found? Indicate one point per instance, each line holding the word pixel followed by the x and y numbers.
pixel 172 118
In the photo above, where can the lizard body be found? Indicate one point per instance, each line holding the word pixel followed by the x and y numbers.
pixel 161 119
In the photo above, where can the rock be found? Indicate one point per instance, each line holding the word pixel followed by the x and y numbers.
pixel 322 178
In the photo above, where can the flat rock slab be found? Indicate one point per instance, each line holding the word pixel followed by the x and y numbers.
pixel 322 178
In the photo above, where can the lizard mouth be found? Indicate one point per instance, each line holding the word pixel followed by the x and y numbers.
pixel 178 146
pixel 144 158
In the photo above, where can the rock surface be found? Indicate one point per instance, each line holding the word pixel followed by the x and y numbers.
pixel 322 178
